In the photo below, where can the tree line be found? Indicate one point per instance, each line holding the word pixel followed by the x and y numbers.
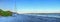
pixel 5 13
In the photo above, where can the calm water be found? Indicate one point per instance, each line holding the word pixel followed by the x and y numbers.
pixel 49 15
pixel 30 18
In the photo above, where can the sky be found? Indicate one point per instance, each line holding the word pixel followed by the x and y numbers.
pixel 31 6
pixel 7 5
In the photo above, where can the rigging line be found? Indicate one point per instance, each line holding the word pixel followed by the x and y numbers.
pixel 15 6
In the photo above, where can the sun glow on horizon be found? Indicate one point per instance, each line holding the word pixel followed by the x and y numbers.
pixel 41 11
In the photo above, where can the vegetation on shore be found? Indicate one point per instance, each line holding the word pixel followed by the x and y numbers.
pixel 5 13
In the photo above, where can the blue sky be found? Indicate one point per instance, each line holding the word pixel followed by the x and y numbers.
pixel 30 6
pixel 7 5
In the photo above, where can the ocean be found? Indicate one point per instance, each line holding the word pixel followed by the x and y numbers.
pixel 30 18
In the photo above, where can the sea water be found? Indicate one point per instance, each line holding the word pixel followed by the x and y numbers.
pixel 30 18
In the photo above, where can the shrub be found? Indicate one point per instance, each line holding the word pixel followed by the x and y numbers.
pixel 5 13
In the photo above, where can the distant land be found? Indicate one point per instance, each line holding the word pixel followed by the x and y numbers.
pixel 44 13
